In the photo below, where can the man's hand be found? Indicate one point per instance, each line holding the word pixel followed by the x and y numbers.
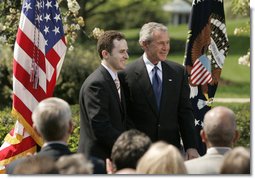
pixel 191 153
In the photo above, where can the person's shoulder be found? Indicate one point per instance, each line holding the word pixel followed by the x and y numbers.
pixel 96 76
pixel 174 64
pixel 10 167
pixel 134 63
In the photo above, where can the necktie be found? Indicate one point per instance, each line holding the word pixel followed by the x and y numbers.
pixel 117 83
pixel 157 85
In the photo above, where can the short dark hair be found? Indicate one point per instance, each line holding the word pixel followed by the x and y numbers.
pixel 129 148
pixel 105 41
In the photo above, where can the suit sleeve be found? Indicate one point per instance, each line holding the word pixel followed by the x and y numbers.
pixel 97 101
pixel 122 77
pixel 186 116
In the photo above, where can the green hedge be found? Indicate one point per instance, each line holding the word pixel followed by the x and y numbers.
pixel 242 111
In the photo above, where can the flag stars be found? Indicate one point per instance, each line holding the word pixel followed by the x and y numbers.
pixel 27 6
pixel 196 122
pixel 56 30
pixel 39 18
pixel 56 5
pixel 57 17
pixel 39 5
pixel 47 17
pixel 46 42
pixel 202 124
pixel 48 4
pixel 46 30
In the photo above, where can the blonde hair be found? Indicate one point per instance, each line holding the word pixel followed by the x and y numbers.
pixel 161 158
pixel 236 161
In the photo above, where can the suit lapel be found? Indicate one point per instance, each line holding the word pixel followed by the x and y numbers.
pixel 143 80
pixel 110 81
pixel 167 84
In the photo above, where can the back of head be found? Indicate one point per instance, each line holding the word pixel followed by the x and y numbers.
pixel 35 164
pixel 52 118
pixel 74 164
pixel 105 41
pixel 129 148
pixel 236 161
pixel 146 32
pixel 161 158
pixel 220 126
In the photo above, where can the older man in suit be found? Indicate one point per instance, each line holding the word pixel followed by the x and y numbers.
pixel 102 102
pixel 157 92
pixel 219 134
pixel 52 120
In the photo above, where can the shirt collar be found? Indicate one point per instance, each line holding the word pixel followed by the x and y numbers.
pixel 213 149
pixel 113 75
pixel 54 142
pixel 150 65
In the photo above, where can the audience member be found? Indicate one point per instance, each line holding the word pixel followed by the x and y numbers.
pixel 161 158
pixel 35 164
pixel 219 134
pixel 127 150
pixel 52 121
pixel 236 161
pixel 74 164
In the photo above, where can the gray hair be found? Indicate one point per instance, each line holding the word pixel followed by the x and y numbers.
pixel 51 118
pixel 146 32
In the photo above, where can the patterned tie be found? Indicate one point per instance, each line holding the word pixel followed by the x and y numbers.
pixel 157 85
pixel 117 83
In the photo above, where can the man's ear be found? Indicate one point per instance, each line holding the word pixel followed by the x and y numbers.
pixel 203 136
pixel 236 137
pixel 144 44
pixel 105 54
pixel 71 127
pixel 36 131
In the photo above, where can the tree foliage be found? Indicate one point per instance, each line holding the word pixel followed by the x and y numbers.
pixel 242 7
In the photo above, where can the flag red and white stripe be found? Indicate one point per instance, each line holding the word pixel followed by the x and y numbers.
pixel 199 74
pixel 40 38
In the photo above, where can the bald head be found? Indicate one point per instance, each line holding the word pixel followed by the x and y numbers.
pixel 220 126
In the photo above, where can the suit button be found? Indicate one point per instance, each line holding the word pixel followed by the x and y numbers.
pixel 158 125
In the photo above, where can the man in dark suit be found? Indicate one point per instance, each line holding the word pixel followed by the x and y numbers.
pixel 102 102
pixel 52 120
pixel 157 92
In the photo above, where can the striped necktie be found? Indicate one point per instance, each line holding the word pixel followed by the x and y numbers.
pixel 117 83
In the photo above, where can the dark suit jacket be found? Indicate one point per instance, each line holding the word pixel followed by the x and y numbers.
pixel 54 150
pixel 102 114
pixel 175 116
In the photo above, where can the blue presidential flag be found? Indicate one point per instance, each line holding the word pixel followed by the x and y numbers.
pixel 206 49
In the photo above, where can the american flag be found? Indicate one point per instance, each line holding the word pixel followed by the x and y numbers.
pixel 39 53
pixel 206 49
pixel 201 71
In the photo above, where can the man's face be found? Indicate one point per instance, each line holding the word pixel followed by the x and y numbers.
pixel 157 49
pixel 119 55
